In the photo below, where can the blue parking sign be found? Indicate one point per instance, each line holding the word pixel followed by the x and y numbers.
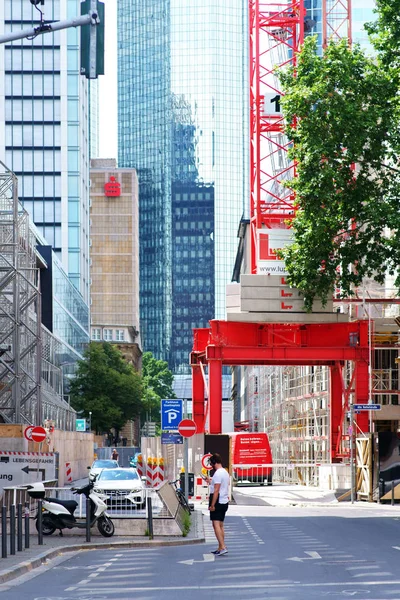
pixel 171 414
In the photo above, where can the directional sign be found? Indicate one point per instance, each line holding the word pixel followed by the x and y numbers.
pixel 80 425
pixel 19 468
pixel 187 428
pixel 171 414
pixel 366 406
pixel 171 438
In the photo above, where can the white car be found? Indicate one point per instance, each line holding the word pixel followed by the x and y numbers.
pixel 122 487
pixel 99 465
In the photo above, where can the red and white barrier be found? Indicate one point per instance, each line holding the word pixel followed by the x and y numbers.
pixel 68 472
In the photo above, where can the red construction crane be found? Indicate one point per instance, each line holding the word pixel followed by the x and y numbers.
pixel 276 33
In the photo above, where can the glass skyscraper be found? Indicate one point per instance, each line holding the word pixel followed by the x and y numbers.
pixel 44 134
pixel 183 124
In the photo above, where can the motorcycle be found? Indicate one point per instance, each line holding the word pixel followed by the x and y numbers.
pixel 59 514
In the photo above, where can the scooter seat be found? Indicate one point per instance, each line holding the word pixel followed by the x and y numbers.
pixel 70 505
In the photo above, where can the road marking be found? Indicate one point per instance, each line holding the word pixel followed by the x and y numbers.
pixel 362 567
pixel 259 585
pixel 384 574
pixel 311 556
pixel 206 558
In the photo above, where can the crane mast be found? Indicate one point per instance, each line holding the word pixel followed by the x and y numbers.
pixel 276 34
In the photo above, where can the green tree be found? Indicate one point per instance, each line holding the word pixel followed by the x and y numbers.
pixel 108 386
pixel 341 110
pixel 157 384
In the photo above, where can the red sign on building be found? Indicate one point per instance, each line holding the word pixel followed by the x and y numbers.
pixel 112 188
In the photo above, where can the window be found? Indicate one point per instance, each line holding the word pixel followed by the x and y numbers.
pixel 120 335
pixel 108 335
pixel 96 334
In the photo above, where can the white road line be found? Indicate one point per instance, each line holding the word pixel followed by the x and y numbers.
pixel 259 585
pixel 384 574
pixel 369 567
pixel 94 575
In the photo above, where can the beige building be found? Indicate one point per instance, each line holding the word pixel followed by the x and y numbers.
pixel 114 252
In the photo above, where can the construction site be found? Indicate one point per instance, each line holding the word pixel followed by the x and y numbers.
pixel 298 376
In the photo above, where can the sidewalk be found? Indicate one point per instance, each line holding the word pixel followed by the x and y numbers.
pixel 54 545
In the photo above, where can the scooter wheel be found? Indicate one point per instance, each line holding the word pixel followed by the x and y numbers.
pixel 106 526
pixel 47 526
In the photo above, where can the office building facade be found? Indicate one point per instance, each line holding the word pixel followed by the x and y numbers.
pixel 44 133
pixel 114 248
pixel 182 114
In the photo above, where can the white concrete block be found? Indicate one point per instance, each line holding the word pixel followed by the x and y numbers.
pixel 267 292
pixel 262 280
pixel 280 305
pixel 280 317
pixel 233 289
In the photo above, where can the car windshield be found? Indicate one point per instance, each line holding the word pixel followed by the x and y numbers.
pixel 117 475
pixel 104 464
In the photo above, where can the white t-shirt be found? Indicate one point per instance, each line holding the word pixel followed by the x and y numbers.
pixel 221 476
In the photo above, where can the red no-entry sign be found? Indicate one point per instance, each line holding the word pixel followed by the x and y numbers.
pixel 35 434
pixel 187 428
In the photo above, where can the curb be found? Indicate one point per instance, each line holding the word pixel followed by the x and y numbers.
pixel 27 566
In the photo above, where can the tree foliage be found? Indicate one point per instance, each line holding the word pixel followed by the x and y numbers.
pixel 341 110
pixel 108 386
pixel 385 33
pixel 157 384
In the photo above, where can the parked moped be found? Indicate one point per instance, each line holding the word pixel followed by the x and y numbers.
pixel 59 514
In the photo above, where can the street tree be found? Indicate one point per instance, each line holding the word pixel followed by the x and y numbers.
pixel 341 111
pixel 157 384
pixel 108 386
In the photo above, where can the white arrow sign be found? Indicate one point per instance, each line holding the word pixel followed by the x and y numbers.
pixel 311 556
pixel 206 558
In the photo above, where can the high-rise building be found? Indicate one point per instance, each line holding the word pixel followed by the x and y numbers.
pixel 183 124
pixel 115 257
pixel 44 133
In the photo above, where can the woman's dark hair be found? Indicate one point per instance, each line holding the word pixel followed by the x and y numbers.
pixel 215 458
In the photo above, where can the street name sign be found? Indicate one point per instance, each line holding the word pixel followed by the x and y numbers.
pixel 366 406
pixel 171 438
pixel 171 414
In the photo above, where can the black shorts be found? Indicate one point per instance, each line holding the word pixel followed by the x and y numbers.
pixel 220 510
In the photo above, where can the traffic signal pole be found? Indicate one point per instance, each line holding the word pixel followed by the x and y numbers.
pixel 91 22
pixel 89 19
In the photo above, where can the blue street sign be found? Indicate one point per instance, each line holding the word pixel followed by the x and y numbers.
pixel 171 414
pixel 171 438
pixel 366 406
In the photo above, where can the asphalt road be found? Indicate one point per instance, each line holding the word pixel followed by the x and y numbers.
pixel 289 554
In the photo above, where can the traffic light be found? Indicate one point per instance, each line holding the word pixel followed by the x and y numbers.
pixel 92 40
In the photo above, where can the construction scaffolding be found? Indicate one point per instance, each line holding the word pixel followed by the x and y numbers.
pixel 31 378
pixel 20 355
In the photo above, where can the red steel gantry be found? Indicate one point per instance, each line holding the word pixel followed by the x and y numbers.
pixel 276 34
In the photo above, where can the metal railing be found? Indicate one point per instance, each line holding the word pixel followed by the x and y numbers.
pixel 117 505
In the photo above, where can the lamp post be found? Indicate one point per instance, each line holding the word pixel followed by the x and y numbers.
pixel 90 421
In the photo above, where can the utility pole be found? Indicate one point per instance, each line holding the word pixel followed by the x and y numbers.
pixel 92 34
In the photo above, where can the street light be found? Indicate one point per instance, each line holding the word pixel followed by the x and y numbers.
pixel 90 420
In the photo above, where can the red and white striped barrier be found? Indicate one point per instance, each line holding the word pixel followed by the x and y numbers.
pixel 68 472
pixel 140 468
